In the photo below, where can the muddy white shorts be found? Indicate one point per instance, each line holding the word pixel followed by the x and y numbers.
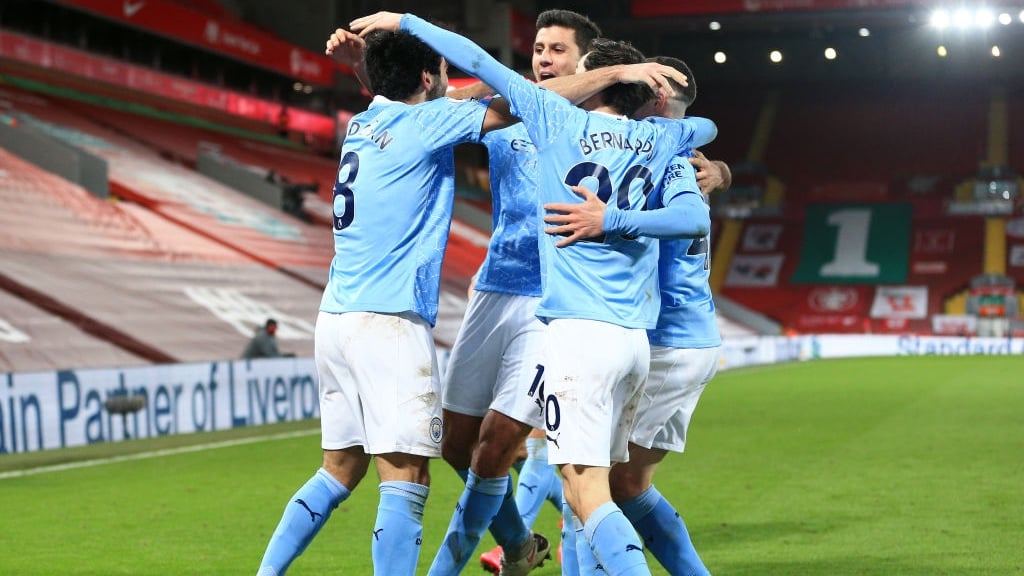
pixel 379 384
pixel 594 377
pixel 677 379
pixel 495 361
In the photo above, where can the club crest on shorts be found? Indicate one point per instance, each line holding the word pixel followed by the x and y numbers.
pixel 435 429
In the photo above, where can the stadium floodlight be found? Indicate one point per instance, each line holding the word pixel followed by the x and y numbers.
pixel 940 19
pixel 962 18
pixel 996 52
pixel 1005 19
pixel 715 25
pixel 720 57
pixel 1021 16
pixel 941 51
pixel 984 18
pixel 864 32
pixel 830 53
pixel 775 56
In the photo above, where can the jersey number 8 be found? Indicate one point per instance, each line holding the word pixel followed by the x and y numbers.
pixel 343 192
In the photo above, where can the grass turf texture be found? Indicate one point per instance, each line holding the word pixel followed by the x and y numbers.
pixel 845 467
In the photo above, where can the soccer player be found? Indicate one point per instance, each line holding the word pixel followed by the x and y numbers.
pixel 374 351
pixel 489 390
pixel 379 390
pixel 684 358
pixel 599 296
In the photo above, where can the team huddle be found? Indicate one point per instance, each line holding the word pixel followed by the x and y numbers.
pixel 590 332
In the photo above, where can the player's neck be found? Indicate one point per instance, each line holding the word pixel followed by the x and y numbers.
pixel 596 104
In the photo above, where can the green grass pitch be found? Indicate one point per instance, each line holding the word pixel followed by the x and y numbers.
pixel 895 466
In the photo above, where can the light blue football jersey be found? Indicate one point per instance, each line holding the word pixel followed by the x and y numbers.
pixel 393 205
pixel 512 265
pixel 687 318
pixel 612 279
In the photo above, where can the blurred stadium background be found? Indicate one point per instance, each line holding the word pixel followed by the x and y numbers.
pixel 165 186
pixel 167 165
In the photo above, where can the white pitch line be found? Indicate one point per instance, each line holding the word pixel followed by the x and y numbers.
pixel 154 454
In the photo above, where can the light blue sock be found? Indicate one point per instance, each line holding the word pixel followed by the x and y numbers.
pixel 507 527
pixel 303 517
pixel 518 465
pixel 398 532
pixel 614 542
pixel 664 533
pixel 476 508
pixel 570 562
pixel 535 481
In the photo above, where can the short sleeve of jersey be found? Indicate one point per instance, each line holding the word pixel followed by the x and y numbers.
pixel 445 122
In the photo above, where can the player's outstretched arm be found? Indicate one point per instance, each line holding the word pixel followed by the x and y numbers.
pixel 459 51
pixel 348 49
pixel 475 90
pixel 578 87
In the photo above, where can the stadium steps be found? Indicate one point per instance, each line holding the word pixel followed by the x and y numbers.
pixel 964 191
pixel 725 247
pixel 998 129
pixel 57 85
pixel 774 192
pixel 995 246
pixel 131 287
pixel 957 303
pixel 761 137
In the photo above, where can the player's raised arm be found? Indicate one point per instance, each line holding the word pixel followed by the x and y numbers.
pixel 348 49
pixel 578 87
pixel 476 90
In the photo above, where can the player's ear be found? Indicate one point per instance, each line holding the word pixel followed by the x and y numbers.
pixel 426 80
pixel 662 101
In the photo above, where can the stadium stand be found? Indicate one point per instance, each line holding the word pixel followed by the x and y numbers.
pixel 127 276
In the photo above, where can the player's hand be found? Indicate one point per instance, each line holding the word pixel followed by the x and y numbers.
pixel 577 221
pixel 654 75
pixel 346 48
pixel 379 21
pixel 709 174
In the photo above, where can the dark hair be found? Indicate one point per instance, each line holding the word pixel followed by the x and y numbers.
pixel 394 61
pixel 624 98
pixel 585 29
pixel 270 322
pixel 687 95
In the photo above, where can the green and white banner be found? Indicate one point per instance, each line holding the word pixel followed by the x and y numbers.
pixel 855 244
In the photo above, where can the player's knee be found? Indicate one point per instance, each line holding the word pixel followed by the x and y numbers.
pixel 346 466
pixel 456 453
pixel 625 484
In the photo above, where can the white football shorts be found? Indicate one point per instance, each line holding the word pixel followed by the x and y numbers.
pixel 379 384
pixel 677 379
pixel 594 377
pixel 495 361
